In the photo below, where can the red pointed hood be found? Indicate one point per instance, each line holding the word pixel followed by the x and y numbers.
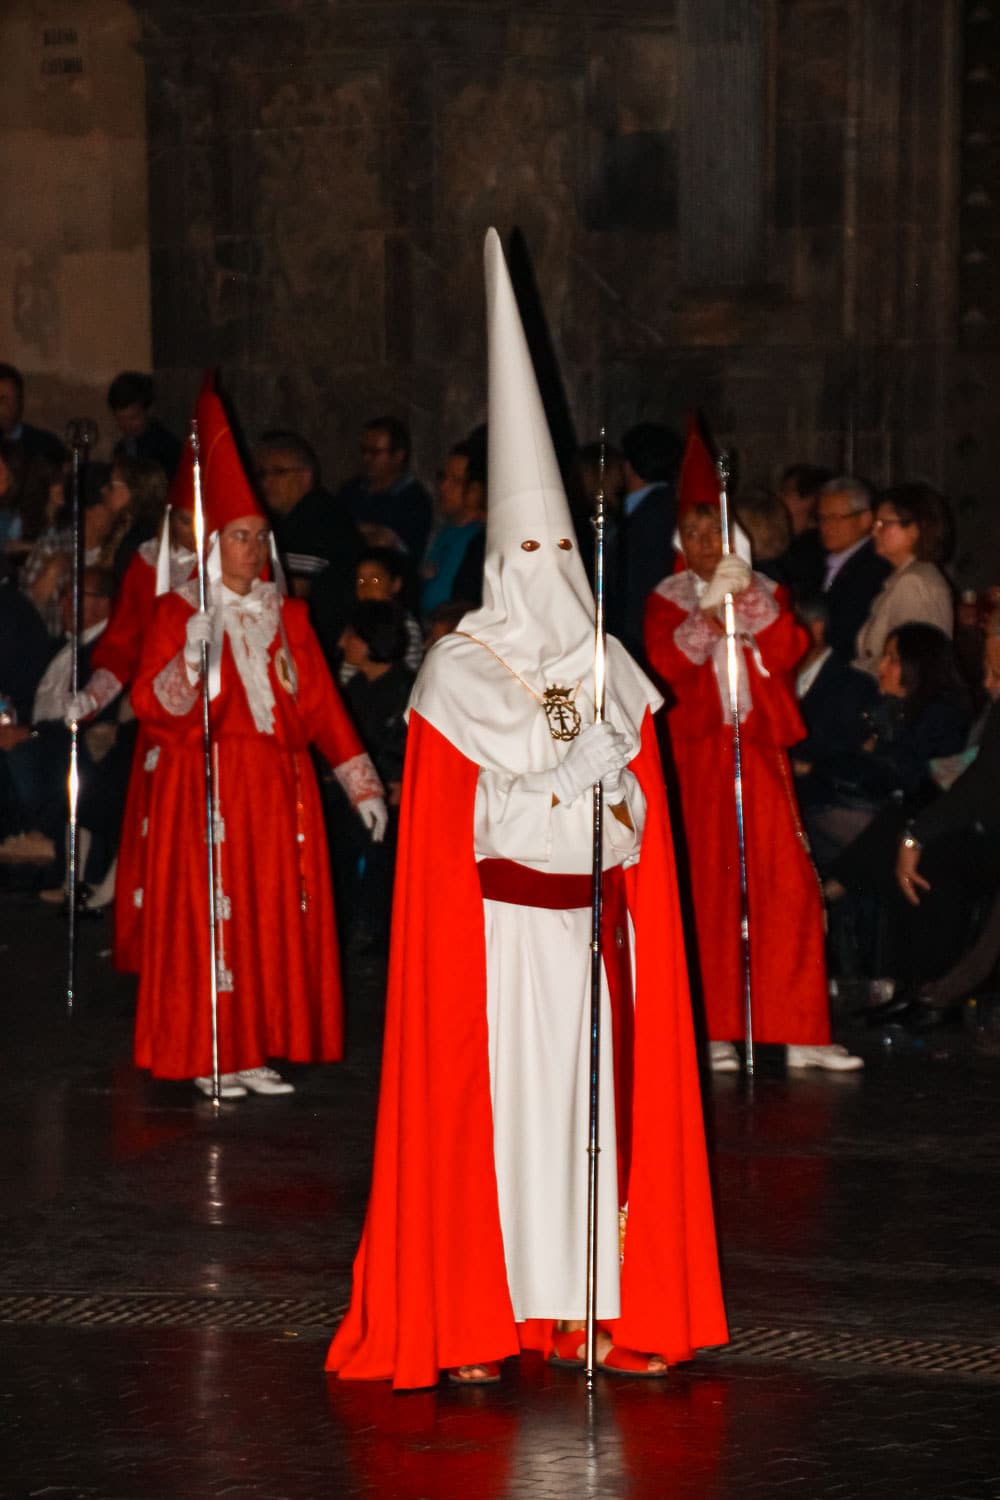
pixel 698 483
pixel 226 490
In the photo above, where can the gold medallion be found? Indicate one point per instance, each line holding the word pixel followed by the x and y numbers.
pixel 561 712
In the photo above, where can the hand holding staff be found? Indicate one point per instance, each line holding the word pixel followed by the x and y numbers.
pixel 733 679
pixel 206 735
pixel 596 960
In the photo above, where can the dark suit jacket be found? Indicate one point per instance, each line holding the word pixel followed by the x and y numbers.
pixel 850 596
pixel 640 555
pixel 836 712
pixel 975 796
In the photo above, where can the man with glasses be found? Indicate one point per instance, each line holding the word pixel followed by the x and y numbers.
pixel 390 506
pixel 854 572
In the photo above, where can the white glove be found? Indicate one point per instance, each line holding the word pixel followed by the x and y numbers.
pixel 79 707
pixel 375 816
pixel 599 752
pixel 200 627
pixel 732 576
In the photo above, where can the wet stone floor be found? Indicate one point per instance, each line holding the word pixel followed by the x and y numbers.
pixel 168 1282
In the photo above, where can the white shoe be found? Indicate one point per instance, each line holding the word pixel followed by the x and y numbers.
pixel 229 1086
pixel 723 1057
pixel 833 1059
pixel 264 1081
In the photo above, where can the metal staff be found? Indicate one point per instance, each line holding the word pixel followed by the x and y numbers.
pixel 596 905
pixel 206 740
pixel 80 434
pixel 733 676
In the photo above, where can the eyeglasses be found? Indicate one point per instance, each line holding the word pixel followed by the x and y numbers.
pixel 885 521
pixel 843 515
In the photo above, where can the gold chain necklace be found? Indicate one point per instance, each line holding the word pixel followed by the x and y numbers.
pixel 558 703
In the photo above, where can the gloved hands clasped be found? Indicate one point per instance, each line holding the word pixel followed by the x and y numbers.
pixel 79 707
pixel 600 753
pixel 732 576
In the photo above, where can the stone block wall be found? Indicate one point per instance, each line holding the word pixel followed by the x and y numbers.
pixel 322 173
pixel 74 288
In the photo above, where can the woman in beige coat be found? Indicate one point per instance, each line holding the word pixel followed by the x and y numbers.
pixel 912 532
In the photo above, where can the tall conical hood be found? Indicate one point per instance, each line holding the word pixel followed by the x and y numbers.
pixel 226 490
pixel 698 482
pixel 537 615
pixel 538 609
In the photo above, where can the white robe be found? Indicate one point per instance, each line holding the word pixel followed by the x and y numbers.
pixel 538 1011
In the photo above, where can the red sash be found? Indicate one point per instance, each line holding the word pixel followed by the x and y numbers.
pixel 517 885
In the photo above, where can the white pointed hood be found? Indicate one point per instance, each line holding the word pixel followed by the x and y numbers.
pixel 537 615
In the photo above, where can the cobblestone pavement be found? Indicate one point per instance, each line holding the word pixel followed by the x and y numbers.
pixel 168 1283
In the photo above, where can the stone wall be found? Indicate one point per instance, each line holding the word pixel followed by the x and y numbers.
pixel 323 171
pixel 74 293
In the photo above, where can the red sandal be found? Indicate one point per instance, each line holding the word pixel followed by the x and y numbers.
pixel 617 1361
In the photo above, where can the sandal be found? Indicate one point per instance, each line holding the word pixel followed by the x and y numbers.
pixel 491 1375
pixel 617 1361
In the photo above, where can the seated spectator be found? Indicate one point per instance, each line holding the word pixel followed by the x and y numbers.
pixel 143 436
pixel 381 575
pixel 124 512
pixel 765 521
pixel 374 642
pixel 27 441
pixel 462 504
pixel 923 713
pixel 391 507
pixel 314 532
pixel 805 559
pixel 853 571
pixel 947 870
pixel 25 651
pixel 837 704
pixel 33 767
pixel 913 534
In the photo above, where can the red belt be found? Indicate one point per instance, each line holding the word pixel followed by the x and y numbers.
pixel 517 885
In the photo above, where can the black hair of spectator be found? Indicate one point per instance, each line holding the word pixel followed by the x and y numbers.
pixel 381 626
pixel 282 440
pixel 814 607
pixel 448 612
pixel 396 431
pixel 391 559
pixel 476 447
pixel 928 668
pixel 654 451
pixel 100 581
pixel 148 485
pixel 808 479
pixel 923 506
pixel 131 388
pixel 13 374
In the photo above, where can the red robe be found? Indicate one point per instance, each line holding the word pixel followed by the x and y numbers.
pixel 117 651
pixel 278 940
pixel 787 963
pixel 430 1286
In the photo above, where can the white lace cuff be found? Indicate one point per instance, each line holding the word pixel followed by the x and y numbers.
pixel 756 608
pixel 696 636
pixel 103 687
pixel 359 779
pixel 173 688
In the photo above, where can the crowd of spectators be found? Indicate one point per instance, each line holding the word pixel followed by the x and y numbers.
pixel 891 688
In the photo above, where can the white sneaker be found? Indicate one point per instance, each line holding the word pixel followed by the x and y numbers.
pixel 264 1081
pixel 723 1057
pixel 229 1086
pixel 833 1059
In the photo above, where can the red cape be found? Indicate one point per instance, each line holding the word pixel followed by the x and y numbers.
pixel 430 1286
